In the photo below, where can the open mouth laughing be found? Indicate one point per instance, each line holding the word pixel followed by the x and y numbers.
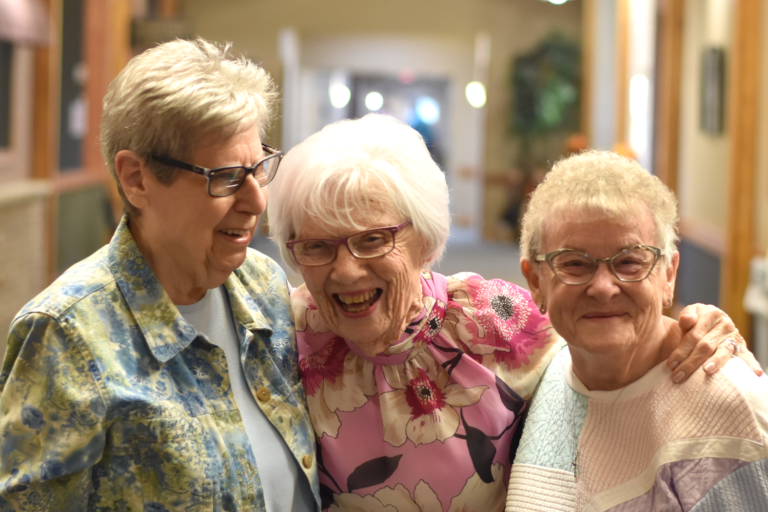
pixel 357 303
pixel 235 234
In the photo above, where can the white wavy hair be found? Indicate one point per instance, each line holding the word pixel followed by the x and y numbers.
pixel 602 182
pixel 170 96
pixel 346 173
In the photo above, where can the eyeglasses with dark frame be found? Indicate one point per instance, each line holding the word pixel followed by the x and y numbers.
pixel 577 267
pixel 225 181
pixel 371 243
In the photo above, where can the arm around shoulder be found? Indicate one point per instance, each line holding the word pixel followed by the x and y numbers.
pixel 500 320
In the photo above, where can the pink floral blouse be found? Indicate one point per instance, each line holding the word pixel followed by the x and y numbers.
pixel 427 424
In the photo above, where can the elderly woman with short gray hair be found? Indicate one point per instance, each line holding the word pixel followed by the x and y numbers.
pixel 159 374
pixel 607 429
pixel 416 382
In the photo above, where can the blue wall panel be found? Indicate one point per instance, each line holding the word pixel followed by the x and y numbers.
pixel 698 277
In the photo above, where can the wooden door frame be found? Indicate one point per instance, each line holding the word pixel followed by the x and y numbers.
pixel 106 41
pixel 742 126
pixel 621 101
pixel 669 57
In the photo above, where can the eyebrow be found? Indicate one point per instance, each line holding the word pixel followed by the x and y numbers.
pixel 629 246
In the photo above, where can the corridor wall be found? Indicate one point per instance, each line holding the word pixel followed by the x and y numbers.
pixel 514 26
pixel 703 164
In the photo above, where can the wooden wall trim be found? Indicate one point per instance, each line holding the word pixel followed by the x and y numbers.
pixel 107 50
pixel 69 181
pixel 669 53
pixel 45 124
pixel 588 27
pixel 743 98
pixel 169 8
pixel 96 50
pixel 622 71
pixel 704 235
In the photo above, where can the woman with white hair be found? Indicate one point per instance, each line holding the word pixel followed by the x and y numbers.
pixel 159 374
pixel 415 381
pixel 607 430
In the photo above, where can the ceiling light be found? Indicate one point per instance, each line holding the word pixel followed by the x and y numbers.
pixel 374 101
pixel 475 92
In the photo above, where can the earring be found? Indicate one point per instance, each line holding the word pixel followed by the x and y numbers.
pixel 542 309
pixel 667 303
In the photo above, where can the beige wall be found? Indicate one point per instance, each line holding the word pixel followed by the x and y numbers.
pixel 514 26
pixel 703 158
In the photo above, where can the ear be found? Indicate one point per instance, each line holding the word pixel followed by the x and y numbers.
pixel 133 174
pixel 670 273
pixel 531 273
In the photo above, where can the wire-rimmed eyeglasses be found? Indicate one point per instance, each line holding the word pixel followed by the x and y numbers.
pixel 372 243
pixel 225 181
pixel 577 267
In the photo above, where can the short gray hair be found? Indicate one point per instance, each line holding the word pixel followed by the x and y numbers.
pixel 352 167
pixel 604 182
pixel 170 96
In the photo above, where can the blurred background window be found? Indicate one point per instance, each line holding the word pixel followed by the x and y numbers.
pixel 73 75
pixel 419 102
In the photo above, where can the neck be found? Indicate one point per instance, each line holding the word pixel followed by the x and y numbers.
pixel 179 287
pixel 614 370
pixel 392 335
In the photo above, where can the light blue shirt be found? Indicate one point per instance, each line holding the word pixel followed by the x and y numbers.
pixel 286 489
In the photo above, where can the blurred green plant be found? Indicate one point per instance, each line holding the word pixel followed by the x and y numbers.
pixel 545 86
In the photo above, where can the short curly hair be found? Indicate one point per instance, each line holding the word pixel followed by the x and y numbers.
pixel 603 182
pixel 170 96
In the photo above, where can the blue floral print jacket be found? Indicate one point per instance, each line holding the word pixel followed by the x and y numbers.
pixel 110 400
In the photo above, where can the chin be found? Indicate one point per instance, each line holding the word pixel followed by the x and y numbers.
pixel 234 261
pixel 606 341
pixel 223 269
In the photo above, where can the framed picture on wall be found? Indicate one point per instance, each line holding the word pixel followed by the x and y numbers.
pixel 713 91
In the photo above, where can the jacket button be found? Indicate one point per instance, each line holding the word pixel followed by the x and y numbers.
pixel 306 461
pixel 263 395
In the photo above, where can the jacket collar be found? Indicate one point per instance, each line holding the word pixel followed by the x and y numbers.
pixel 163 327
pixel 247 313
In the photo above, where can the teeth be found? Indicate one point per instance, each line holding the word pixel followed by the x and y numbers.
pixel 356 299
pixel 233 232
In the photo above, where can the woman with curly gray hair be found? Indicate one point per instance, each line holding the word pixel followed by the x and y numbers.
pixel 160 373
pixel 607 429
pixel 416 382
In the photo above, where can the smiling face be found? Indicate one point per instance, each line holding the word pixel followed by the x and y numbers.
pixel 604 316
pixel 194 241
pixel 367 301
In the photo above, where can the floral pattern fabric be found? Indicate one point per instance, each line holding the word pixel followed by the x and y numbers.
pixel 110 400
pixel 428 424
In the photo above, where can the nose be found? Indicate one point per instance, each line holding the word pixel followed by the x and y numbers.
pixel 604 284
pixel 346 268
pixel 251 197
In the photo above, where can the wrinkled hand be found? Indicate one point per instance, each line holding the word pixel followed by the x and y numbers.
pixel 705 330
